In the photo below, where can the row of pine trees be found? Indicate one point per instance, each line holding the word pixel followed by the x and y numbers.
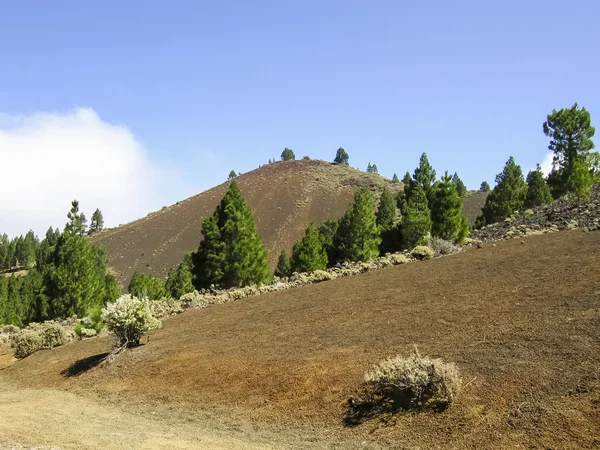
pixel 67 275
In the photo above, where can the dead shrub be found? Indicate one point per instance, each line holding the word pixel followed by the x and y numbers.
pixel 443 247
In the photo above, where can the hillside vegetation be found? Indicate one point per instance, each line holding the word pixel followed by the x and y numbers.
pixel 284 197
pixel 519 320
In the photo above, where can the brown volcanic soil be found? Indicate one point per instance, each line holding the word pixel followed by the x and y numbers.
pixel 284 196
pixel 521 320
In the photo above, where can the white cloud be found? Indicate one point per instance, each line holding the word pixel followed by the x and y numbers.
pixel 49 159
pixel 547 163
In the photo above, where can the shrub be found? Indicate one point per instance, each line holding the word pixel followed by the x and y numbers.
pixel 26 343
pixel 443 247
pixel 320 275
pixel 54 335
pixel 415 382
pixel 129 318
pixel 422 252
pixel 399 258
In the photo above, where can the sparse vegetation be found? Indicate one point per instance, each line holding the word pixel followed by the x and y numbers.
pixel 287 155
pixel 144 285
pixel 416 382
pixel 341 157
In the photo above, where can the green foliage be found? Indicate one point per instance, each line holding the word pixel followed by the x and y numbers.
pixel 144 285
pixel 387 212
pixel 129 318
pixel 308 254
pixel 570 132
pixel 284 266
pixel 460 186
pixel 580 180
pixel 287 155
pixel 372 168
pixel 231 253
pixel 485 187
pixel 538 191
pixel 424 176
pixel 232 175
pixel 97 223
pixel 448 221
pixel 507 197
pixel 416 225
pixel 180 280
pixel 357 237
pixel 306 158
pixel 327 231
pixel 77 221
pixel 76 280
pixel 395 178
pixel 341 157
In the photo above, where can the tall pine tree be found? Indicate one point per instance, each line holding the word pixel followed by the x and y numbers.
pixel 232 253
pixel 97 223
pixel 284 266
pixel 416 224
pixel 538 191
pixel 357 237
pixel 424 176
pixel 507 197
pixel 448 221
pixel 308 253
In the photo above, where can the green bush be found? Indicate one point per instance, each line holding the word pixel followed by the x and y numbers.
pixel 129 318
pixel 26 343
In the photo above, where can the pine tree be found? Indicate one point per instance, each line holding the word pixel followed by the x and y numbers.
pixel 580 179
pixel 232 253
pixel 284 266
pixel 308 254
pixel 232 174
pixel 538 191
pixel 76 280
pixel 507 197
pixel 4 251
pixel 448 221
pixel 144 285
pixel 387 212
pixel 357 237
pixel 77 221
pixel 416 224
pixel 387 215
pixel 485 187
pixel 374 169
pixel 424 175
pixel 369 168
pixel 97 223
pixel 209 259
pixel 287 155
pixel 395 178
pixel 341 157
pixel 460 186
pixel 179 281
pixel 327 231
pixel 570 131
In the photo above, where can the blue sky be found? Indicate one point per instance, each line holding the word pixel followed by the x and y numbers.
pixel 205 87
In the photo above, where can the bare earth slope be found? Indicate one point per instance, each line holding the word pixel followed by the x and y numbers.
pixel 284 197
pixel 521 320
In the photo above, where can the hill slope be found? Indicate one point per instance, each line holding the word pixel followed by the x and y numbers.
pixel 520 320
pixel 284 197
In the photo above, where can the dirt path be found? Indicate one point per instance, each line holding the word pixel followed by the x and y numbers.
pixel 38 417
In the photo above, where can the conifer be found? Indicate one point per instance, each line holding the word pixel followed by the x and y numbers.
pixel 308 254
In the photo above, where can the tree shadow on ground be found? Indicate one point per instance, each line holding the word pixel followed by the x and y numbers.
pixel 83 365
pixel 361 410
